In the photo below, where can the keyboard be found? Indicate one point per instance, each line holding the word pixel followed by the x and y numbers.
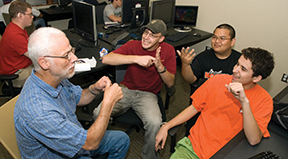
pixel 177 36
pixel 265 155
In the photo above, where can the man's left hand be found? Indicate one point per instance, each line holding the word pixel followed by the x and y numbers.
pixel 158 64
pixel 237 90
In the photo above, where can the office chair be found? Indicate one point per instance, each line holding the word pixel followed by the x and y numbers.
pixel 7 131
pixel 99 13
pixel 7 86
pixel 7 19
pixel 193 87
pixel 131 118
pixel 94 2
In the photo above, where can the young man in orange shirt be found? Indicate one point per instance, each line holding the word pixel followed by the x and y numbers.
pixel 228 104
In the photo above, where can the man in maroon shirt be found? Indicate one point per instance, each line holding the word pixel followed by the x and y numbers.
pixel 13 45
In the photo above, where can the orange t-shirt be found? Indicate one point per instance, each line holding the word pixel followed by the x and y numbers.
pixel 221 118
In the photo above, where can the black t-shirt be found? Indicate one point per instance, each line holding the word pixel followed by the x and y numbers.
pixel 207 64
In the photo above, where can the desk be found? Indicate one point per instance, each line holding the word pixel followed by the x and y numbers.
pixel 57 13
pixel 88 52
pixel 239 147
pixel 86 78
pixel 187 41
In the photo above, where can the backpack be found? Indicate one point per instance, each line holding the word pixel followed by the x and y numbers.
pixel 280 114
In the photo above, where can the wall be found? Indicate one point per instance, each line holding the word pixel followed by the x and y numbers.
pixel 258 23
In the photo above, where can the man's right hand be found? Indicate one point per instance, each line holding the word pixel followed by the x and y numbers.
pixel 145 61
pixel 186 56
pixel 112 94
pixel 160 138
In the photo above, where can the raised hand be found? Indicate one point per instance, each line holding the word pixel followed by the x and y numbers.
pixel 186 56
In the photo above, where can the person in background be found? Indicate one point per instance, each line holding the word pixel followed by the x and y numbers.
pixel 46 125
pixel 112 11
pixel 228 104
pixel 13 45
pixel 39 21
pixel 150 63
pixel 218 60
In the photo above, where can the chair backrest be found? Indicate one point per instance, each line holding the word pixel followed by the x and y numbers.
pixel 7 131
pixel 99 13
pixel 7 20
pixel 94 2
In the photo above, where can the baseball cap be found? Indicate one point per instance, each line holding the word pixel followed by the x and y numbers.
pixel 156 26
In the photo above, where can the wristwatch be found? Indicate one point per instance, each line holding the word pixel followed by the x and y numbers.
pixel 163 70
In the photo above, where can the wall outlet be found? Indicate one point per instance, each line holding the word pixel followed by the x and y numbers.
pixel 284 78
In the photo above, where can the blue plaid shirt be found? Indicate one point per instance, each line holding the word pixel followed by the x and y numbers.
pixel 45 121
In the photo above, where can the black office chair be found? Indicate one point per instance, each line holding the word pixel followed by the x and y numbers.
pixel 6 85
pixel 99 13
pixel 193 87
pixel 94 2
pixel 132 119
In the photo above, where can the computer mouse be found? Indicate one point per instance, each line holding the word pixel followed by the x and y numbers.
pixel 196 34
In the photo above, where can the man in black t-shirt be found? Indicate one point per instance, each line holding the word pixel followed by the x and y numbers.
pixel 218 60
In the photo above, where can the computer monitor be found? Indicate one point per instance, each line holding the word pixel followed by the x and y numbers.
pixel 64 3
pixel 163 10
pixel 35 2
pixel 84 19
pixel 7 1
pixel 185 18
pixel 142 12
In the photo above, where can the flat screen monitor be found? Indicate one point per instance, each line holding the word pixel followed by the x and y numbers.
pixel 84 19
pixel 6 1
pixel 185 17
pixel 63 3
pixel 127 11
pixel 163 10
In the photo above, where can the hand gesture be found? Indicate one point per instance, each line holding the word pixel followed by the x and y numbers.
pixel 145 61
pixel 237 90
pixel 101 83
pixel 186 57
pixel 160 139
pixel 112 94
pixel 157 61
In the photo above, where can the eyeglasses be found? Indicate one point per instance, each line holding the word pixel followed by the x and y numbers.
pixel 28 14
pixel 67 56
pixel 151 35
pixel 221 39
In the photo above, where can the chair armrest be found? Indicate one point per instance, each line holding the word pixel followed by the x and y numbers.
pixel 198 83
pixel 84 117
pixel 8 76
pixel 170 90
pixel 174 130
